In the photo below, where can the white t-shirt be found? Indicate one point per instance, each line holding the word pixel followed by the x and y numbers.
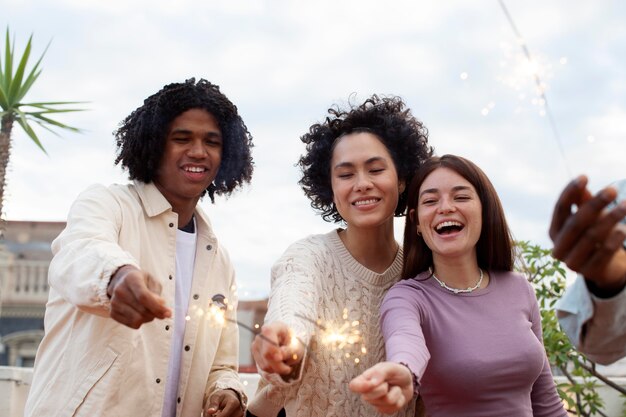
pixel 185 259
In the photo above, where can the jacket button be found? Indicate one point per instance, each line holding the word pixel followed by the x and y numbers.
pixel 178 400
pixel 196 296
pixel 158 380
pixel 167 327
pixel 171 277
pixel 187 348
pixel 209 247
pixel 171 224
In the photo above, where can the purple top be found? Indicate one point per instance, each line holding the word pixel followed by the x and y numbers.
pixel 474 354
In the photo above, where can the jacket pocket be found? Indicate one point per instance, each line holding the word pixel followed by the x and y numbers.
pixel 86 387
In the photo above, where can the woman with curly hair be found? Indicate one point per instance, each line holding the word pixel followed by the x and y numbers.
pixel 355 171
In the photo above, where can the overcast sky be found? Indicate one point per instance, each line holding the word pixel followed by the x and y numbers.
pixel 457 65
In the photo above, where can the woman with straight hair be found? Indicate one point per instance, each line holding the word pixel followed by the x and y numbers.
pixel 461 329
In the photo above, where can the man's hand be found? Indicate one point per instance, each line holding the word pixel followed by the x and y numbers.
pixel 387 386
pixel 224 403
pixel 135 297
pixel 275 350
pixel 590 240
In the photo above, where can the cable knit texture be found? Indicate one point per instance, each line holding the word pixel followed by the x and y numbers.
pixel 319 279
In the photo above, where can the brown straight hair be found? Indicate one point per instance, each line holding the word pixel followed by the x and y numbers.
pixel 494 248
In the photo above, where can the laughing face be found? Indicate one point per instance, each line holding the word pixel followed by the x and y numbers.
pixel 364 181
pixel 449 214
pixel 191 159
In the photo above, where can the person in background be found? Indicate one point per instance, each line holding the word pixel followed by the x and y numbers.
pixel 355 171
pixel 591 241
pixel 136 262
pixel 461 329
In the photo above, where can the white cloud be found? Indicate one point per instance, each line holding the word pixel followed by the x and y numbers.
pixel 284 63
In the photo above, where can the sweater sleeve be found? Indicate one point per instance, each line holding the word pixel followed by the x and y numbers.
pixel 401 324
pixel 293 299
pixel 87 252
pixel 544 397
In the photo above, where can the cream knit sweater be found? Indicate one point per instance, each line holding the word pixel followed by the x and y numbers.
pixel 317 278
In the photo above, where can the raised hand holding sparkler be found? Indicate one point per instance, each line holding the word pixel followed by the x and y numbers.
pixel 276 349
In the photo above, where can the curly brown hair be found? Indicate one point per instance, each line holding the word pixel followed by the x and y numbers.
pixel 405 137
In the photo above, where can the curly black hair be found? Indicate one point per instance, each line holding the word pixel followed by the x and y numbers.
pixel 141 136
pixel 405 137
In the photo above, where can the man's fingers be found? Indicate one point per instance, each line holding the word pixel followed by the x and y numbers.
pixel 598 243
pixel 151 301
pixel 587 224
pixel 153 285
pixel 224 404
pixel 572 194
pixel 127 315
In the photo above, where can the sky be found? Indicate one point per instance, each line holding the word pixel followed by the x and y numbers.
pixel 458 66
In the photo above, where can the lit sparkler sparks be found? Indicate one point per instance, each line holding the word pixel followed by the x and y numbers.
pixel 533 66
pixel 344 337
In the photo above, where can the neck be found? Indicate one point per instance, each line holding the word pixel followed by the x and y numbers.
pixel 457 273
pixel 374 248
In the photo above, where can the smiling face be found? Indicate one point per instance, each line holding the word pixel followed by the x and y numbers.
pixel 364 181
pixel 191 158
pixel 449 214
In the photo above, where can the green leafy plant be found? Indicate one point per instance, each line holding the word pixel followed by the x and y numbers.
pixel 15 83
pixel 548 277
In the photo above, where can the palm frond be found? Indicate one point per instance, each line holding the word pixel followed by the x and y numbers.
pixel 21 119
pixel 19 72
pixel 56 123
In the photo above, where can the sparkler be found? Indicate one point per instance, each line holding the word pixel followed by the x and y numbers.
pixel 343 337
pixel 540 85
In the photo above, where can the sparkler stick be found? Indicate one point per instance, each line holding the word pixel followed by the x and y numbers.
pixel 219 302
pixel 540 87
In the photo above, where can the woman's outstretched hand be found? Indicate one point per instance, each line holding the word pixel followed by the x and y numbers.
pixel 387 386
pixel 276 350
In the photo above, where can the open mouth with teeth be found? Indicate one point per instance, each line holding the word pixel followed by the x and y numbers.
pixel 448 227
pixel 194 169
pixel 365 202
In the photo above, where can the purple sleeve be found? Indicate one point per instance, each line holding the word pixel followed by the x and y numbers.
pixel 400 320
pixel 544 397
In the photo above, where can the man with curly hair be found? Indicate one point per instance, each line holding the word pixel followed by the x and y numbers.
pixel 134 253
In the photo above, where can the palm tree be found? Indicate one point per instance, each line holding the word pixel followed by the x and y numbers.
pixel 13 88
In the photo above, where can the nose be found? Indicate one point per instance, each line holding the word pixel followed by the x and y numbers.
pixel 446 205
pixel 362 183
pixel 196 149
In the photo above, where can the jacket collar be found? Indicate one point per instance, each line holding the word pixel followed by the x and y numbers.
pixel 155 203
pixel 151 198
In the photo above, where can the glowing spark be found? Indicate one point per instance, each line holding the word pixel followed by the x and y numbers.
pixel 342 337
pixel 464 76
pixel 591 139
pixel 563 60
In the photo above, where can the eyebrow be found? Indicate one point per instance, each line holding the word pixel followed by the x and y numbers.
pixel 435 190
pixel 350 164
pixel 189 132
